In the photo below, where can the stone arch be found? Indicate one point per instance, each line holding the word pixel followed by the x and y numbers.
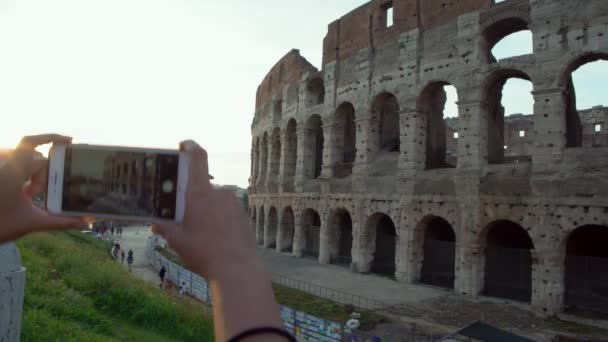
pixel 314 144
pixel 315 92
pixel 586 270
pixel 261 226
pixel 270 235
pixel 275 153
pixel 382 233
pixel 431 103
pixel 286 230
pixel 263 158
pixel 255 160
pixel 507 262
pixel 500 28
pixel 574 127
pixel 277 110
pixel 291 155
pixel 344 140
pixel 341 237
pixel 311 228
pixel 435 248
pixel 385 110
pixel 495 113
pixel 253 213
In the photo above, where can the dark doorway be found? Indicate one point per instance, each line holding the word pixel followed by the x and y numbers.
pixel 386 241
pixel 272 228
pixel 439 254
pixel 260 228
pixel 312 232
pixel 508 262
pixel 287 227
pixel 587 271
pixel 386 109
pixel 344 228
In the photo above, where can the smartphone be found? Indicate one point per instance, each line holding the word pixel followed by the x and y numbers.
pixel 122 183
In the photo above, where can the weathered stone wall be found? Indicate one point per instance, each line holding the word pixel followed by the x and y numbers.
pixel 561 187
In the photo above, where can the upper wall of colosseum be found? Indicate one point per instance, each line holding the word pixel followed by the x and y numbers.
pixel 288 70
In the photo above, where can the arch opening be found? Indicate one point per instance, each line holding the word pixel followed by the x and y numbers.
pixel 271 235
pixel 344 139
pixel 263 158
pixel 260 228
pixel 510 104
pixel 507 38
pixel 386 110
pixel 275 157
pixel 314 147
pixel 341 238
pixel 385 244
pixel 586 271
pixel 439 252
pixel 291 156
pixel 311 222
pixel 508 262
pixel 287 229
pixel 585 103
pixel 432 104
pixel 315 92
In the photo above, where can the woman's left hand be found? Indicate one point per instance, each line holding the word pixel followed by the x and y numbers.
pixel 21 178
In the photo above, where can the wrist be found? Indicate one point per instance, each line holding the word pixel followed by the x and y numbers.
pixel 243 270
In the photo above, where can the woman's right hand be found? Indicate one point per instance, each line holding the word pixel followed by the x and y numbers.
pixel 216 237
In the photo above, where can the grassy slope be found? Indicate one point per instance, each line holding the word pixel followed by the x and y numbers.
pixel 75 292
pixel 308 303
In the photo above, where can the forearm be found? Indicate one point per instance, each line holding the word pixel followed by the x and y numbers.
pixel 241 300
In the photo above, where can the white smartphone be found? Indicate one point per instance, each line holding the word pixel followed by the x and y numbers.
pixel 122 183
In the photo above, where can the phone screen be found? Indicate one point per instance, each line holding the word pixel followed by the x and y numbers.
pixel 127 183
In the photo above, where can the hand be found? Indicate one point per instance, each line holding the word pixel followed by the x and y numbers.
pixel 216 238
pixel 21 178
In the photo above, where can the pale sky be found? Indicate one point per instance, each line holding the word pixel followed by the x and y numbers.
pixel 154 72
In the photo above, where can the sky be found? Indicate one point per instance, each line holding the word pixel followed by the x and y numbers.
pixel 154 72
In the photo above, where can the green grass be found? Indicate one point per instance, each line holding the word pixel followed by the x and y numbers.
pixel 324 308
pixel 75 292
pixel 574 328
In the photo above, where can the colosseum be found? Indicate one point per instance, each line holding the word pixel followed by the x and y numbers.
pixel 357 165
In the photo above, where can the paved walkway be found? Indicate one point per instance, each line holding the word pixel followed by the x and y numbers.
pixel 342 279
pixel 135 238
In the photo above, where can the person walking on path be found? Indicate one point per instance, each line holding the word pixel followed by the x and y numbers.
pixel 161 275
pixel 122 256
pixel 130 259
pixel 182 290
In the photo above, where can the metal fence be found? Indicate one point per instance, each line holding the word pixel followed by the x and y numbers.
pixel 304 326
pixel 340 297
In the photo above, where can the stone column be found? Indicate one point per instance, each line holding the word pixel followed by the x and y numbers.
pixel 325 254
pixel 368 142
pixel 303 153
pixel 413 143
pixel 469 270
pixel 329 157
pixel 280 233
pixel 550 128
pixel 363 247
pixel 12 287
pixel 299 239
pixel 263 163
pixel 404 245
pixel 283 178
pixel 254 166
pixel 259 232
pixel 548 281
pixel 272 166
pixel 472 135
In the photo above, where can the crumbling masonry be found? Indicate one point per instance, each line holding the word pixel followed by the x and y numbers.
pixel 351 165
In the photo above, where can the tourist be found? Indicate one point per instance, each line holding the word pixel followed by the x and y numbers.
pixel 130 259
pixel 215 240
pixel 122 256
pixel 182 290
pixel 161 275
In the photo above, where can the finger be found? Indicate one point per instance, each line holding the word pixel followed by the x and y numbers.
pixel 32 189
pixel 198 175
pixel 32 141
pixel 169 232
pixel 45 223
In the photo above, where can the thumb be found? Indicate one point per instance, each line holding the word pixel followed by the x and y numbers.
pixel 169 232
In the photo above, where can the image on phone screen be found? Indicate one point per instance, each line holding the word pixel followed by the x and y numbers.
pixel 120 183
